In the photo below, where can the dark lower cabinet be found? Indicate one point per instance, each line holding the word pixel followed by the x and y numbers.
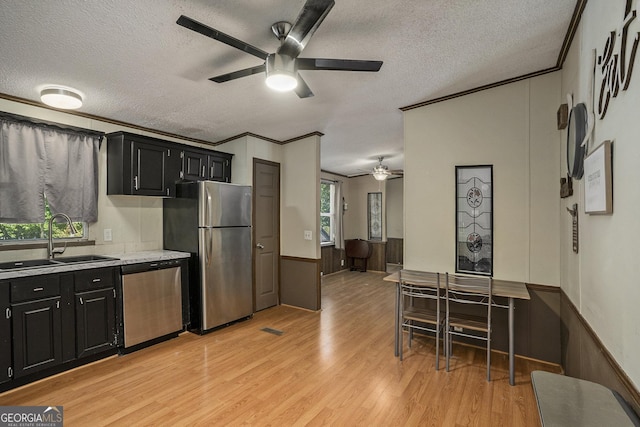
pixel 6 349
pixel 50 322
pixel 95 303
pixel 37 336
pixel 95 321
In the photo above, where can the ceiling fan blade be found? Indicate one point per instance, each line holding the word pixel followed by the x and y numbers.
pixel 337 64
pixel 303 90
pixel 307 22
pixel 238 74
pixel 220 36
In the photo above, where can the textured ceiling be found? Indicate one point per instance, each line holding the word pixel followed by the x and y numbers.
pixel 134 64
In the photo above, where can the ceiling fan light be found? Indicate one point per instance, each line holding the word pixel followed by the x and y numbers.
pixel 380 172
pixel 63 98
pixel 282 82
pixel 281 72
pixel 380 176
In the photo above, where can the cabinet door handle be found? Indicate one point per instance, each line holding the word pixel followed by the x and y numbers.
pixel 135 182
pixel 81 301
pixel 7 313
pixel 96 280
pixel 38 289
pixel 57 304
pixel 211 172
pixel 204 171
pixel 260 246
pixel 114 292
pixel 167 191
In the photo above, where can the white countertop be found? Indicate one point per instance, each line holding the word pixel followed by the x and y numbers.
pixel 119 259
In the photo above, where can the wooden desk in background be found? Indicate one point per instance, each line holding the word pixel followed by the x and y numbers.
pixel 501 288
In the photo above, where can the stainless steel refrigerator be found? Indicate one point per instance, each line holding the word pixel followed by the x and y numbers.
pixel 212 221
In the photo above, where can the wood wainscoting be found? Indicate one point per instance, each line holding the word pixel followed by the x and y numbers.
pixel 537 325
pixel 333 259
pixel 300 282
pixel 395 250
pixel 584 356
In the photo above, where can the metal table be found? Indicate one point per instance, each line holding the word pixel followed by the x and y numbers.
pixel 501 288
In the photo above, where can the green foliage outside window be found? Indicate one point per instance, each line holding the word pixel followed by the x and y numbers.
pixel 37 231
pixel 326 216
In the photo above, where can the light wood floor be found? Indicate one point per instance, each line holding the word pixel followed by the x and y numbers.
pixel 334 367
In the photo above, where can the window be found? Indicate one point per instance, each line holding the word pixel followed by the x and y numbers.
pixel 327 214
pixel 12 233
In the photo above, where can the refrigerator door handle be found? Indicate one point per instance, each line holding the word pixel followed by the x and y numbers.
pixel 209 249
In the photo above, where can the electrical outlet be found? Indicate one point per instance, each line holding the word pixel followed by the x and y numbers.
pixel 308 235
pixel 107 235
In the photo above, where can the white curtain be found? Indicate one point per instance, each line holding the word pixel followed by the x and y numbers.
pixel 39 159
pixel 338 213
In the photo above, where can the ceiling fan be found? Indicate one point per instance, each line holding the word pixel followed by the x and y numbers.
pixel 281 68
pixel 381 172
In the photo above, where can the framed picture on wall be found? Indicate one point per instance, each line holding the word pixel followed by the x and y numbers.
pixel 474 220
pixel 374 215
pixel 598 183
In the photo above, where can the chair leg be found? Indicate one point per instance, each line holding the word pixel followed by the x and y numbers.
pixel 489 359
pixel 400 344
pixel 447 346
pixel 410 332
pixel 437 347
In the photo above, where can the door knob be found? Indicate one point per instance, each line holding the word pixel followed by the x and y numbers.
pixel 260 246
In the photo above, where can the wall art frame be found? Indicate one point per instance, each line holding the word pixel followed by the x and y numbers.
pixel 474 219
pixel 598 184
pixel 374 215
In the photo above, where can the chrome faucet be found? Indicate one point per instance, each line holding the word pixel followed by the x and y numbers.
pixel 51 250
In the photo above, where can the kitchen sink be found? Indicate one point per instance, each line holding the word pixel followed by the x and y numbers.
pixel 26 264
pixel 82 258
pixel 39 263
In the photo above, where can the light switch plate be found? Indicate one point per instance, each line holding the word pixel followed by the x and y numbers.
pixel 308 235
pixel 107 235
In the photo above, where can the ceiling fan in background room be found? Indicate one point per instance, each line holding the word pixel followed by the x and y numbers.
pixel 381 172
pixel 281 68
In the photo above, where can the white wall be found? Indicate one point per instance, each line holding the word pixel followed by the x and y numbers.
pixel 355 221
pixel 244 150
pixel 395 208
pixel 602 279
pixel 513 128
pixel 301 198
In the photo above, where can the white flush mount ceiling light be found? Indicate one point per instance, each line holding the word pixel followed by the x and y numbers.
pixel 61 97
pixel 281 72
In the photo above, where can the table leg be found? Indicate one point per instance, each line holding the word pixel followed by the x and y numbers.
pixel 397 349
pixel 511 345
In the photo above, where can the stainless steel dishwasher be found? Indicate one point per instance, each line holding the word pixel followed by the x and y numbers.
pixel 151 301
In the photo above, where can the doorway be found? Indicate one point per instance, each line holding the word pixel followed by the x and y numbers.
pixel 266 233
